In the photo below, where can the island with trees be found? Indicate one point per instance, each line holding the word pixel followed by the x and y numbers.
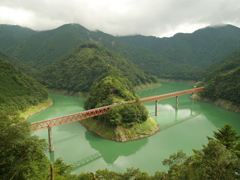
pixel 123 122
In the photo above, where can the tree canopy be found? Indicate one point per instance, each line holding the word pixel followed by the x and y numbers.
pixel 115 88
pixel 78 70
pixel 223 80
pixel 17 90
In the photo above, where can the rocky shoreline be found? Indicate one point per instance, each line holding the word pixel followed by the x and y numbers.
pixel 225 104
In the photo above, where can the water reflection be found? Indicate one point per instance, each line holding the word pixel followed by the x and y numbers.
pixel 82 162
pixel 111 151
pixel 170 116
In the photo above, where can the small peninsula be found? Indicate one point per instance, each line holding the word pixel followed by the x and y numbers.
pixel 123 122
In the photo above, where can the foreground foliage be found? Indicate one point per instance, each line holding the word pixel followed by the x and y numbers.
pixel 22 156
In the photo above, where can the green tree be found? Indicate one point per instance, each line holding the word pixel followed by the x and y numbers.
pixel 227 136
pixel 62 171
pixel 21 155
pixel 177 168
pixel 219 159
pixel 214 161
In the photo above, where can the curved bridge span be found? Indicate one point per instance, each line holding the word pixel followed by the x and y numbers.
pixel 49 123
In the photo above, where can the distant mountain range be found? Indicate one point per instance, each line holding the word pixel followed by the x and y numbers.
pixel 173 57
pixel 201 48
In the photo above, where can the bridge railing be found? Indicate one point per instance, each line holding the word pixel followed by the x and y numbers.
pixel 69 118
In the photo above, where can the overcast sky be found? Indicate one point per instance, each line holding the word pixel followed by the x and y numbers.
pixel 122 17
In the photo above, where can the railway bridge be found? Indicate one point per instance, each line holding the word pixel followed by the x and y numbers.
pixel 49 123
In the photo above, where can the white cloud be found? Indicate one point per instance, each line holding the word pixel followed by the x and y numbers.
pixel 122 17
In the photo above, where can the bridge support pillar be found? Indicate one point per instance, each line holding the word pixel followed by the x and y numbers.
pixel 156 108
pixel 192 100
pixel 50 139
pixel 176 102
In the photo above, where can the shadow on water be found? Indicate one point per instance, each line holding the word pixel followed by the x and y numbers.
pixel 116 148
pixel 176 122
pixel 108 150
pixel 82 162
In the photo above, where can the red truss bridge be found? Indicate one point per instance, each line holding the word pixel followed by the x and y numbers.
pixel 49 123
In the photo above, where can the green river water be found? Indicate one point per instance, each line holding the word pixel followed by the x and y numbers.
pixel 185 128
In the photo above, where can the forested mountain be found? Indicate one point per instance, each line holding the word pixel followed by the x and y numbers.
pixel 10 35
pixel 87 63
pixel 17 90
pixel 198 50
pixel 19 64
pixel 45 47
pixel 176 57
pixel 223 79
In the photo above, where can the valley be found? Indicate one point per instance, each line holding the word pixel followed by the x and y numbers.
pixel 80 69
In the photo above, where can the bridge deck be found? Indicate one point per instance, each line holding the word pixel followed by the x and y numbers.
pixel 98 111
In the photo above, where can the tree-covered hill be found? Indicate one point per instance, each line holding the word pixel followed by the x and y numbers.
pixel 176 57
pixel 223 79
pixel 45 47
pixel 89 62
pixel 123 121
pixel 19 64
pixel 197 50
pixel 115 89
pixel 17 90
pixel 10 35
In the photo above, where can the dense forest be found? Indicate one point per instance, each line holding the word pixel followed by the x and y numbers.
pixel 198 50
pixel 89 62
pixel 17 90
pixel 13 34
pixel 175 57
pixel 124 121
pixel 19 64
pixel 223 79
pixel 115 88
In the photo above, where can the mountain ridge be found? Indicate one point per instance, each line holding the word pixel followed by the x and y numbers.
pixel 163 57
pixel 85 64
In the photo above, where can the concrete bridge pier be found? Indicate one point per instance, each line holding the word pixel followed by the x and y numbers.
pixel 50 139
pixel 176 102
pixel 156 108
